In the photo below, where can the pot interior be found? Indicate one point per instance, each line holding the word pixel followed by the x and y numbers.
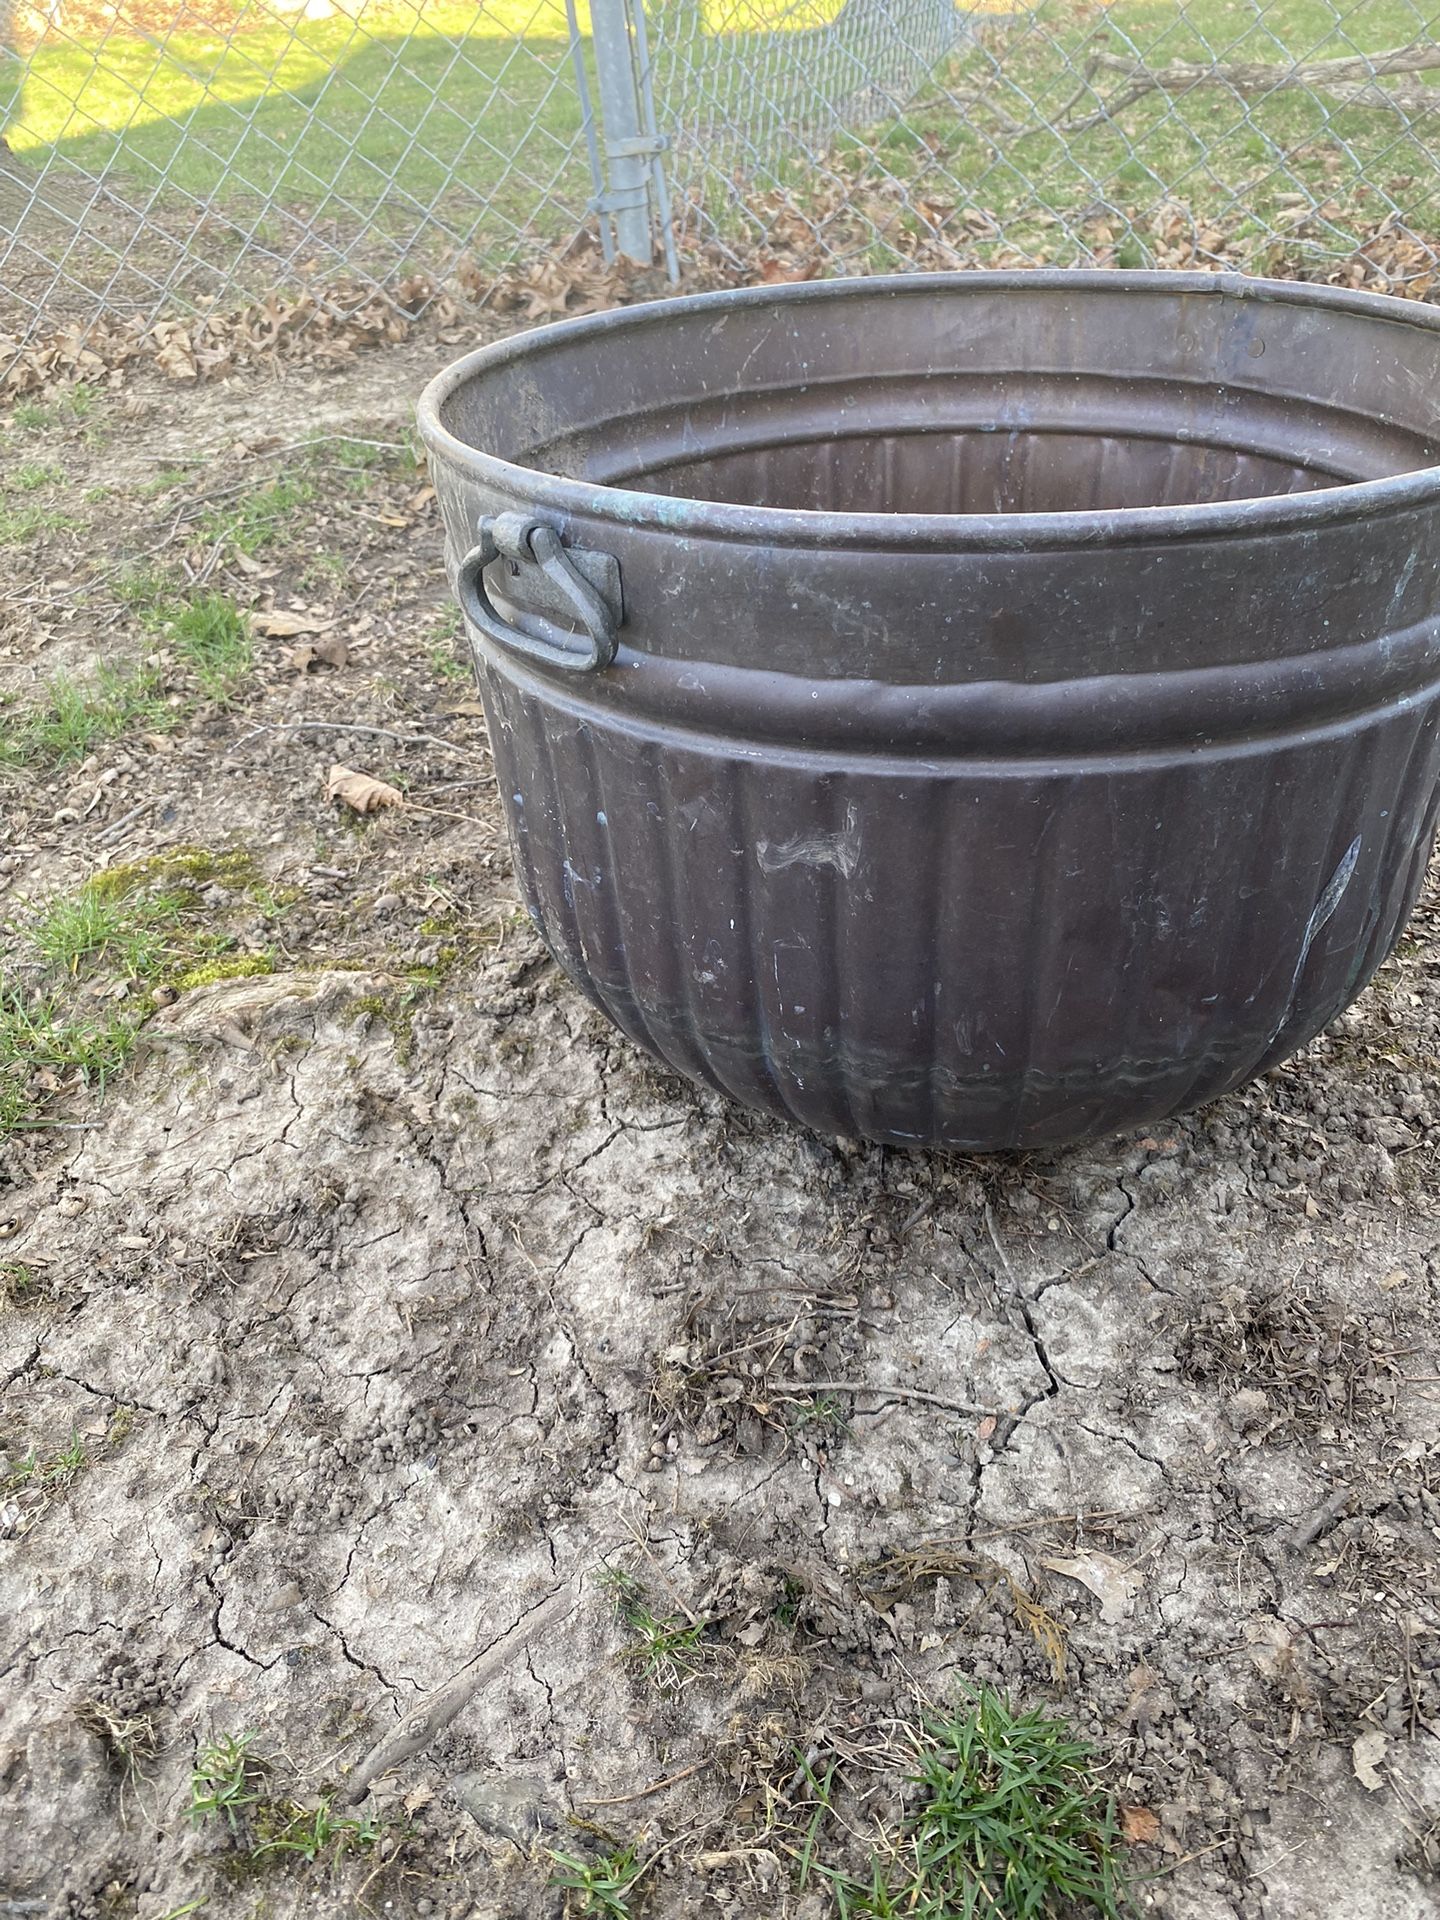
pixel 972 394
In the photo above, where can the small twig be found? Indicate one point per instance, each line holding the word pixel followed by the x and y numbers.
pixel 117 827
pixel 441 813
pixel 1351 81
pixel 657 1786
pixel 801 1387
pixel 353 726
pixel 418 1729
pixel 995 1242
pixel 1309 1528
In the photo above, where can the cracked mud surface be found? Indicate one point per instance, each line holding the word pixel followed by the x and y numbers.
pixel 388 1314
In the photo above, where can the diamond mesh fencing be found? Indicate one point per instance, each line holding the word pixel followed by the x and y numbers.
pixel 164 156
pixel 1293 135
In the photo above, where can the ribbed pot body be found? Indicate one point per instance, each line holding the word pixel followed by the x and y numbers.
pixel 1024 724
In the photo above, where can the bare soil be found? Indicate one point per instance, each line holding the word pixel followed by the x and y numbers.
pixel 391 1295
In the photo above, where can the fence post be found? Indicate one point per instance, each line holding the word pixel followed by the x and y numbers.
pixel 629 152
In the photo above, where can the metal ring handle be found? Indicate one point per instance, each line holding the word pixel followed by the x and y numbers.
pixel 509 536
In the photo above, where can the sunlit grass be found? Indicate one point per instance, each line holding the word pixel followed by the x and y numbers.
pixel 403 111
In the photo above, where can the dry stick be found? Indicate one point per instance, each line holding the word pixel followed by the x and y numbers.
pixel 416 1731
pixel 1420 57
pixel 117 827
pixel 1350 80
pixel 657 1786
pixel 353 726
pixel 893 1393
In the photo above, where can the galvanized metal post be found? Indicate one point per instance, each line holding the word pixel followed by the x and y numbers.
pixel 629 152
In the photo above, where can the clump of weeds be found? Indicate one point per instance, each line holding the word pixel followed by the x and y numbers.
pixel 1009 1819
pixel 664 1649
pixel 228 1785
pixel 606 1887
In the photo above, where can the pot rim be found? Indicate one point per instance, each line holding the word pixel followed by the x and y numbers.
pixel 1013 532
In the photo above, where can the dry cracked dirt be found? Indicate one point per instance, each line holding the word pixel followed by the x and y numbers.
pixel 385 1316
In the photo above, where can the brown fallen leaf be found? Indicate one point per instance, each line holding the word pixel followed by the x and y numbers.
pixel 278 624
pixel 1140 1826
pixel 1367 1756
pixel 1104 1576
pixel 332 652
pixel 361 791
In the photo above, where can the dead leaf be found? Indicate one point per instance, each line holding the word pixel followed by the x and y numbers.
pixel 1366 1756
pixel 278 624
pixel 1103 1576
pixel 325 653
pixel 1140 1826
pixel 361 791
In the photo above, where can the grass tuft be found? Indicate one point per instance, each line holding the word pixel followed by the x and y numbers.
pixel 259 518
pixel 212 637
pixel 225 1780
pixel 666 1649
pixel 31 475
pixel 48 1473
pixel 22 523
pixel 309 1833
pixel 227 1783
pixel 91 926
pixel 148 924
pixel 75 716
pixel 605 1887
pixel 42 1044
pixel 1011 1820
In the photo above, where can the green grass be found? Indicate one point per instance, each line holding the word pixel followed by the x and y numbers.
pixel 212 637
pixel 145 925
pixel 208 634
pixel 469 109
pixel 133 936
pixel 68 408
pixel 260 517
pixel 1011 1824
pixel 605 1887
pixel 51 1473
pixel 312 1833
pixel 226 1785
pixel 225 1781
pixel 73 717
pixel 30 475
pixel 23 523
pixel 1230 160
pixel 665 1649
pixel 46 1039
pixel 145 587
pixel 443 662
pixel 405 109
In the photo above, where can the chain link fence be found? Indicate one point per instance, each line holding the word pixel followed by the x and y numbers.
pixel 164 156
pixel 1289 134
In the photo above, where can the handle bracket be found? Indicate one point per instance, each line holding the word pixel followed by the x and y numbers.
pixel 530 546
